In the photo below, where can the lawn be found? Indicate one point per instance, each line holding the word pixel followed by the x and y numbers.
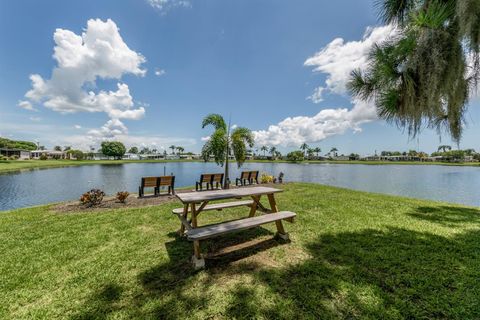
pixel 352 255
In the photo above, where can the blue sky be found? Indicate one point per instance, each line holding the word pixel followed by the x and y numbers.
pixel 256 62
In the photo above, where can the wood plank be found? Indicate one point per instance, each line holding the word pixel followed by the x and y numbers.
pixel 219 206
pixel 184 222
pixel 236 225
pixel 197 197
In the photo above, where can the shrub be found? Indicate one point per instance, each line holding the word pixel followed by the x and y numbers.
pixel 295 156
pixel 122 196
pixel 3 158
pixel 92 198
pixel 43 157
pixel 266 178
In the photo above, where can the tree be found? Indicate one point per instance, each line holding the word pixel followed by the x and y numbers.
pixel 154 150
pixel 295 156
pixel 77 154
pixel 223 141
pixel 66 148
pixel 114 149
pixel 310 153
pixel 264 149
pixel 334 151
pixel 173 148
pixel 444 148
pixel 317 150
pixel 273 152
pixel 304 147
pixel 57 148
pixel 133 150
pixel 180 150
pixel 426 73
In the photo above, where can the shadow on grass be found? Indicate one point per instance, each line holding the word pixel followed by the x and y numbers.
pixel 103 303
pixel 447 215
pixel 393 273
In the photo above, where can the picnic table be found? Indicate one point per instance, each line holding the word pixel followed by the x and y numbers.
pixel 196 202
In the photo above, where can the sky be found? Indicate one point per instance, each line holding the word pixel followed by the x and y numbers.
pixel 145 72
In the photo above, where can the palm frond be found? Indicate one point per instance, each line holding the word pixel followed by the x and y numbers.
pixel 214 120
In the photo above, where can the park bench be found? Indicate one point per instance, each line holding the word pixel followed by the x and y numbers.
pixel 156 183
pixel 208 180
pixel 247 177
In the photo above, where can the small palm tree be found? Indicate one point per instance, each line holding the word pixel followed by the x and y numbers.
pixel 273 152
pixel 173 148
pixel 264 149
pixel 304 147
pixel 317 150
pixel 334 151
pixel 223 141
pixel 180 150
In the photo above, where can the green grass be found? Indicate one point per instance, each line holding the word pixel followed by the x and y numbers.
pixel 18 165
pixel 352 255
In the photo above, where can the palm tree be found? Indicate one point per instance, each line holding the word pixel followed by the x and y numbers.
pixel 444 148
pixel 427 72
pixel 273 152
pixel 334 151
pixel 173 148
pixel 180 150
pixel 223 141
pixel 304 147
pixel 317 150
pixel 57 148
pixel 264 149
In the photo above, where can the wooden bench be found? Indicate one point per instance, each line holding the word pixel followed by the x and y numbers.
pixel 218 206
pixel 156 183
pixel 211 231
pixel 247 177
pixel 208 180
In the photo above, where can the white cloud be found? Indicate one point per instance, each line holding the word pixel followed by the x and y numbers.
pixel 338 58
pixel 164 5
pixel 27 105
pixel 77 126
pixel 98 53
pixel 160 72
pixel 205 139
pixel 35 119
pixel 293 131
pixel 317 96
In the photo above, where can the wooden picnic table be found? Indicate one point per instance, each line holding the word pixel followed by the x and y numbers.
pixel 196 202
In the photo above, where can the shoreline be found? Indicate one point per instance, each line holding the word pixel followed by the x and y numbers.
pixel 9 166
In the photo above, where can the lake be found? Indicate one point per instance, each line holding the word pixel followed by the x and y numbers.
pixel 444 183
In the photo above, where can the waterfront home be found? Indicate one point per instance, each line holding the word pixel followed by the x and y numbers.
pixel 50 154
pixel 131 156
pixel 17 153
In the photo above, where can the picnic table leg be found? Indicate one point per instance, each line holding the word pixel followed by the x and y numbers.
pixel 185 214
pixel 254 206
pixel 197 259
pixel 273 206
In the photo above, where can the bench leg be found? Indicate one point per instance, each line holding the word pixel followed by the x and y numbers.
pixel 197 259
pixel 273 206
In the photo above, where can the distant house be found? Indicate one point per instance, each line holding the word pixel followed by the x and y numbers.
pixel 152 156
pixel 341 158
pixel 50 154
pixel 18 153
pixel 131 156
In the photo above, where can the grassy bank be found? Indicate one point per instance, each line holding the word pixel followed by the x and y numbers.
pixel 352 255
pixel 9 166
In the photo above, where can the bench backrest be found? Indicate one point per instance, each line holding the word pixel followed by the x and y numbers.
pixel 167 180
pixel 206 177
pixel 149 182
pixel 253 175
pixel 245 175
pixel 218 177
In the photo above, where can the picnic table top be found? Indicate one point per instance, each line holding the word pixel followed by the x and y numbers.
pixel 211 195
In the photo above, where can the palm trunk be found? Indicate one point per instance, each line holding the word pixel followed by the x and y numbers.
pixel 226 178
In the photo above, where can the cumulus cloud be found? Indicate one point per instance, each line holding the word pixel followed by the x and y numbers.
pixel 164 5
pixel 27 105
pixel 77 126
pixel 337 60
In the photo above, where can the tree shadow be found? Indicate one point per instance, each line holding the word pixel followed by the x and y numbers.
pixel 102 303
pixel 449 216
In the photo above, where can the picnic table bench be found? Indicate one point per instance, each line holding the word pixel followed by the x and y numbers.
pixel 196 202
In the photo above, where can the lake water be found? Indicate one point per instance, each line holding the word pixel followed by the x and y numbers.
pixel 41 186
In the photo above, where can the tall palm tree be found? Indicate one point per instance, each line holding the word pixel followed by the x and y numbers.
pixel 273 152
pixel 173 148
pixel 304 147
pixel 334 151
pixel 317 150
pixel 224 141
pixel 264 149
pixel 444 148
pixel 180 150
pixel 426 74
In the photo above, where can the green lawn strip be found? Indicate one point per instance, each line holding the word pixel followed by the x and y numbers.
pixel 353 255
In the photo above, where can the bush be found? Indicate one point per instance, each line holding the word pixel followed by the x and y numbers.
pixel 295 156
pixel 92 198
pixel 43 157
pixel 122 196
pixel 3 158
pixel 266 178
